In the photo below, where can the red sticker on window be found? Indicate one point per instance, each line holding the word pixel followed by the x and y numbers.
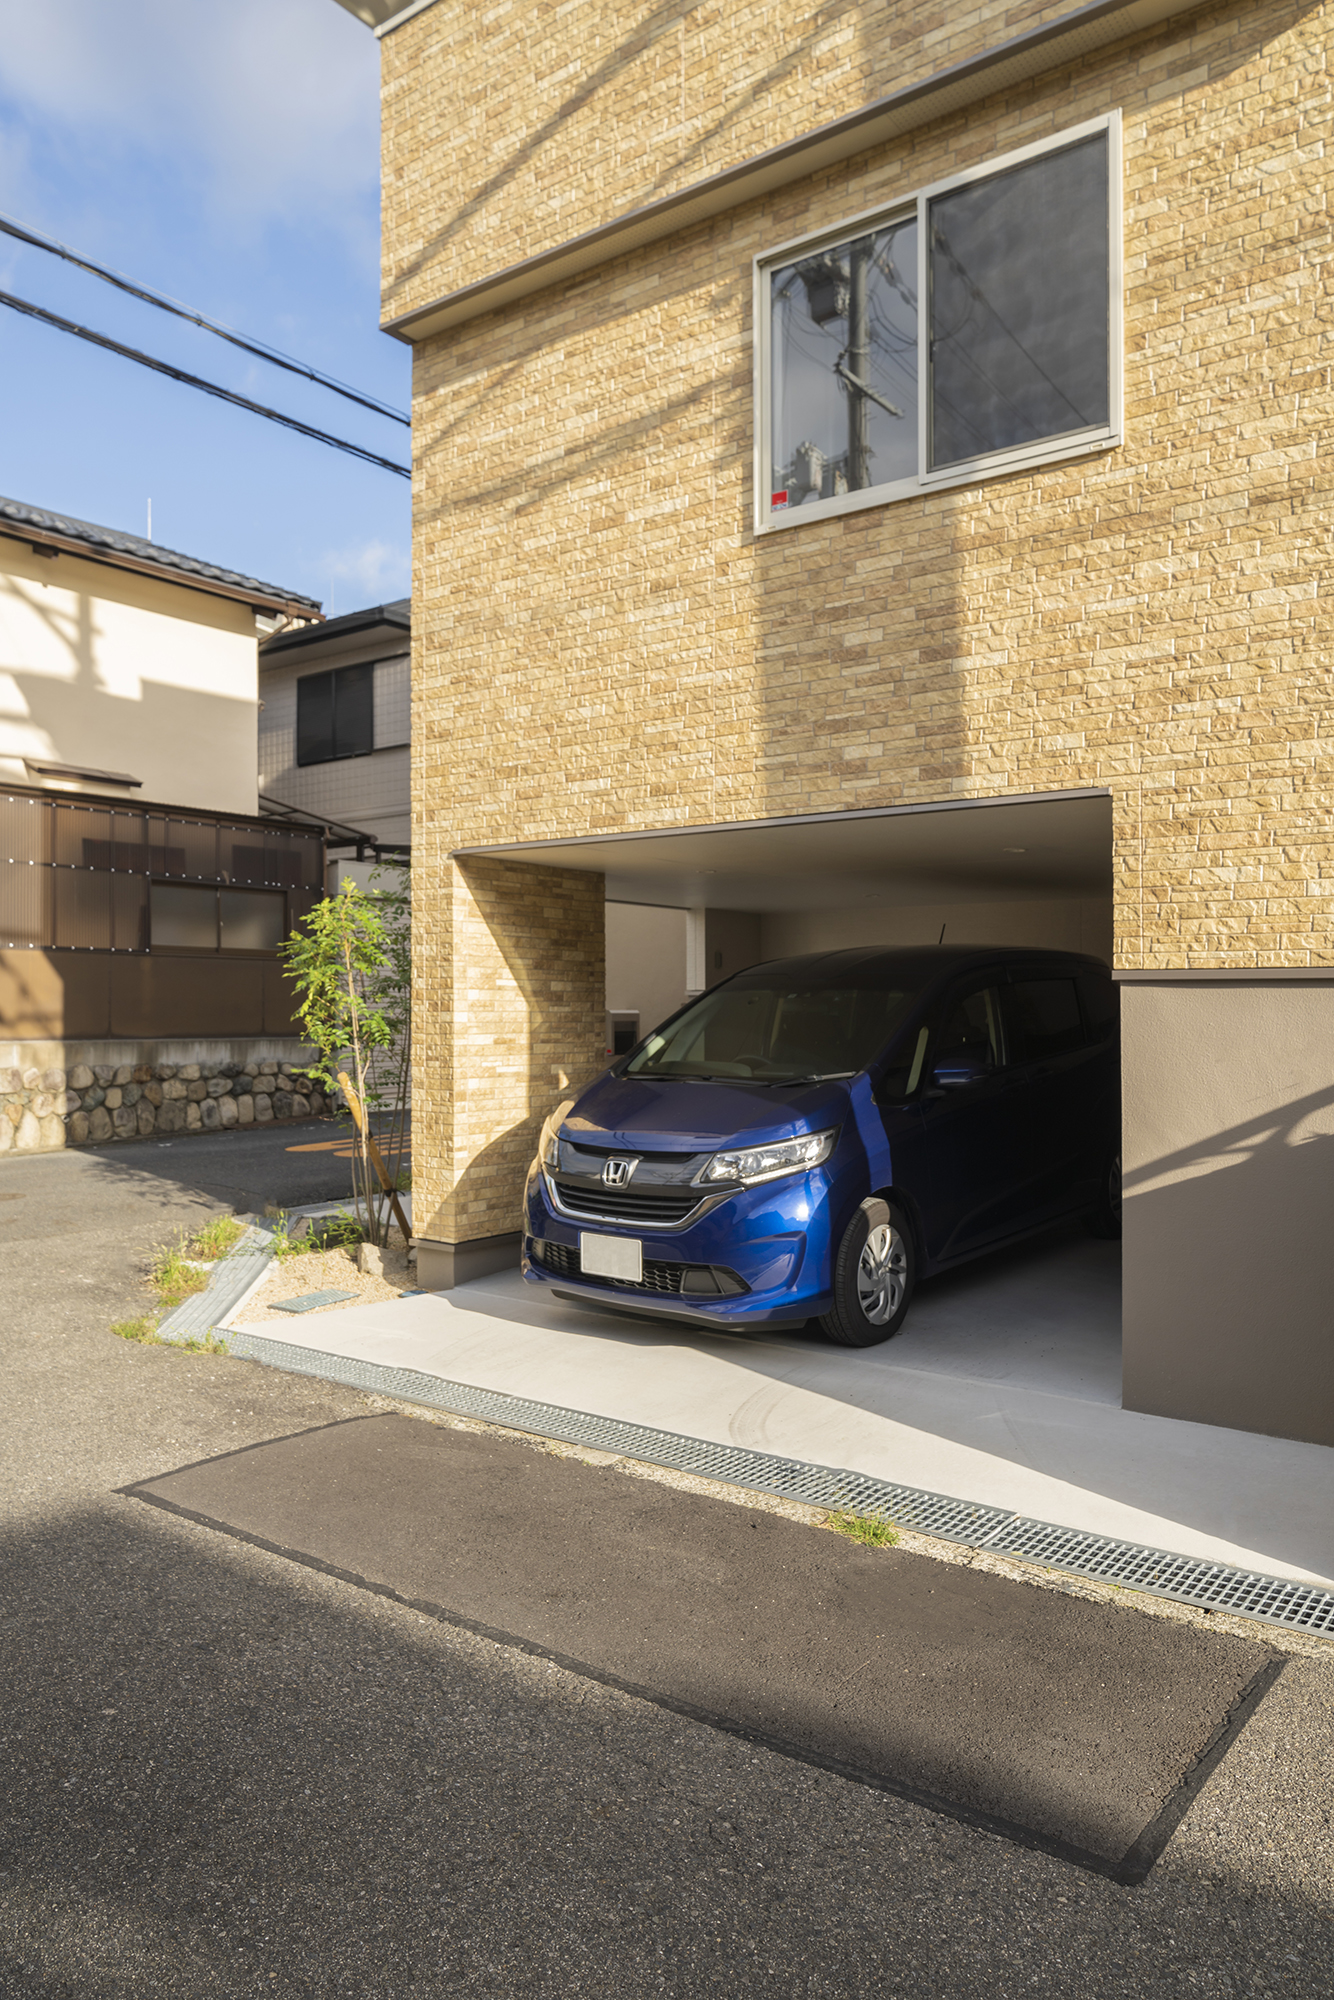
pixel 778 499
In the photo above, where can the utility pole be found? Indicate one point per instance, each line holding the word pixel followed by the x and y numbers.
pixel 858 365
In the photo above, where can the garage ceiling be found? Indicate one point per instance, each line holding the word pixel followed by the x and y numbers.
pixel 974 851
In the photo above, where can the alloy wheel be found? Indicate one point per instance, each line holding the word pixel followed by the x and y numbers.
pixel 882 1272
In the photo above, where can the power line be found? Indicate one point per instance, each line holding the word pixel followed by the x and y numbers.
pixel 270 354
pixel 198 382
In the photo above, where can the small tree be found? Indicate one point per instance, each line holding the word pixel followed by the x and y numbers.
pixel 350 961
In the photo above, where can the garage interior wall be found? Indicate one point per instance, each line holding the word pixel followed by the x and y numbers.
pixel 646 945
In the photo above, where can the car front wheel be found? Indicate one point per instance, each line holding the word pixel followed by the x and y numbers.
pixel 874 1273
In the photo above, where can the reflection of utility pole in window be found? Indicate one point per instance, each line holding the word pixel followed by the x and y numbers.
pixel 856 362
pixel 836 289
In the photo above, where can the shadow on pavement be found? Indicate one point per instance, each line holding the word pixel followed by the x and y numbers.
pixel 224 1772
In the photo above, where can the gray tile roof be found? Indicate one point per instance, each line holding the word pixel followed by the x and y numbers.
pixel 398 613
pixel 17 515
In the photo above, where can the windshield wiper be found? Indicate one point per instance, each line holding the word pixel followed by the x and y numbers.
pixel 825 1076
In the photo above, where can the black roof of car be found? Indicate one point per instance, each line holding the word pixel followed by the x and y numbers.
pixel 922 964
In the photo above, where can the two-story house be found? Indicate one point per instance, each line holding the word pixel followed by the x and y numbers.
pixel 869 485
pixel 144 893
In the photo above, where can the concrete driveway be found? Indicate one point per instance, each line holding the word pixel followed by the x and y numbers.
pixel 1004 1389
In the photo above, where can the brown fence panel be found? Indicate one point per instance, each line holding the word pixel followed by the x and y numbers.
pixel 79 834
pixel 279 1003
pixel 25 905
pixel 83 909
pixel 23 830
pixel 85 999
pixel 160 996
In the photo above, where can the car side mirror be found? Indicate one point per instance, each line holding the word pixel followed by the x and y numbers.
pixel 959 1067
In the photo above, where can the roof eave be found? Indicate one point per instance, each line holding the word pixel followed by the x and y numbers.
pixel 258 599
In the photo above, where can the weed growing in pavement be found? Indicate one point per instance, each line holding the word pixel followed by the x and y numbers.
pixel 216 1238
pixel 136 1329
pixel 145 1331
pixel 873 1531
pixel 173 1277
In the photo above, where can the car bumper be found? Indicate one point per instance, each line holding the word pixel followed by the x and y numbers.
pixel 767 1248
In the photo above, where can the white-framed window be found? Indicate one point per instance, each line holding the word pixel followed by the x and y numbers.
pixel 973 327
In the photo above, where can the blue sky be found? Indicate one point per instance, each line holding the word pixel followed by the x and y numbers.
pixel 225 152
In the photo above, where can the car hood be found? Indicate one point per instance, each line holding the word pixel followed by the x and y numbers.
pixel 668 1115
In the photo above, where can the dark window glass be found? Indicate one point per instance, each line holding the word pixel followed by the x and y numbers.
pixel 1044 1019
pixel 335 715
pixel 184 916
pixel 1101 1005
pixel 253 919
pixel 971 1022
pixel 768 1033
pixel 1020 305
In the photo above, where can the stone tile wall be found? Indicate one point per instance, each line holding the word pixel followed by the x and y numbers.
pixel 602 643
pixel 509 129
pixel 43 1110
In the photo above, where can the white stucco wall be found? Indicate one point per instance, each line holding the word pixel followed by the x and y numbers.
pixel 646 961
pixel 121 672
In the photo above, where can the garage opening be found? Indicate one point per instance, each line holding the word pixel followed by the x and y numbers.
pixel 689 908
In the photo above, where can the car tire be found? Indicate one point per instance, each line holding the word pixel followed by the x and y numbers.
pixel 875 1270
pixel 1104 1221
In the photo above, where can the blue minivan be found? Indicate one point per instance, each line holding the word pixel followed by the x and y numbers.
pixel 808 1140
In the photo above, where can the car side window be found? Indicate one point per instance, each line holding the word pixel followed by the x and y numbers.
pixel 1044 1019
pixel 971 1021
pixel 1101 1005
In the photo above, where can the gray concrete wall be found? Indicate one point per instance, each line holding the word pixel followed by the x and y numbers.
pixel 1228 1105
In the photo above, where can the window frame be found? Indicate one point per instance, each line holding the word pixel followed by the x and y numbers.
pixel 1014 458
pixel 331 675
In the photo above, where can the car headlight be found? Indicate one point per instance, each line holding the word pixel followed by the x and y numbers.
pixel 548 1145
pixel 766 1163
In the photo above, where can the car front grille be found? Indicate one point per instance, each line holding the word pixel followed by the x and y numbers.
pixel 660 1275
pixel 562 1259
pixel 645 1205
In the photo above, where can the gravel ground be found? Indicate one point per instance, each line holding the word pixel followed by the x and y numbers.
pixel 230 1775
pixel 326 1271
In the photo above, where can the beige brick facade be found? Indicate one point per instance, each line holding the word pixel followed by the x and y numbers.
pixel 602 642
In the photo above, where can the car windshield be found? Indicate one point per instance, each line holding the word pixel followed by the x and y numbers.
pixel 755 1030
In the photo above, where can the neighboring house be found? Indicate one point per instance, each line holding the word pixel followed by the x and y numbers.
pixel 869 485
pixel 334 725
pixel 143 894
pixel 334 730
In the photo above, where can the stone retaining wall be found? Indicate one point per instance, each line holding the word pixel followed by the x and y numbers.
pixel 43 1110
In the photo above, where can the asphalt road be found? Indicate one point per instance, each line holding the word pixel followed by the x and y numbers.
pixel 309 1161
pixel 228 1774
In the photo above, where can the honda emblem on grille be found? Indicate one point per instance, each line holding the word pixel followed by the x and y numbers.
pixel 617 1173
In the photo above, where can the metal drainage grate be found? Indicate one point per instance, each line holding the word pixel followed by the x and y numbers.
pixel 1209 1586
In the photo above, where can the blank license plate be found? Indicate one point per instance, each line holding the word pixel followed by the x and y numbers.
pixel 612 1257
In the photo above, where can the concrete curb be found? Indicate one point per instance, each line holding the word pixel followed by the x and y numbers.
pixel 235 1277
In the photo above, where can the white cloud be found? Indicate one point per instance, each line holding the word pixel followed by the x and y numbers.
pixel 268 107
pixel 373 572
